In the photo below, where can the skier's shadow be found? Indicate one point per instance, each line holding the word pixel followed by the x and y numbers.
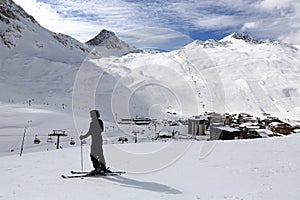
pixel 151 186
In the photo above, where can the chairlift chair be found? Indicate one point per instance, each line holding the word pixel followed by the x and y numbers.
pixel 36 140
pixel 50 139
pixel 72 142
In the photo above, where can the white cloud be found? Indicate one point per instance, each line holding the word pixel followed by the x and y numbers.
pixel 278 19
pixel 291 38
pixel 269 19
pixel 48 17
pixel 156 37
pixel 270 5
pixel 249 25
pixel 83 20
pixel 217 22
pixel 41 11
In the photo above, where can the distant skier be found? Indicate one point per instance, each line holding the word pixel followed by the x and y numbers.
pixel 96 154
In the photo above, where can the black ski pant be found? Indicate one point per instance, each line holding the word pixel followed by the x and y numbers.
pixel 96 163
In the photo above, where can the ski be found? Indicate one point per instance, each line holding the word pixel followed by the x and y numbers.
pixel 114 172
pixel 74 176
pixel 84 175
pixel 87 175
pixel 77 172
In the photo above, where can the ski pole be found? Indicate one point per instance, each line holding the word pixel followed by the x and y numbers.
pixel 82 143
pixel 81 157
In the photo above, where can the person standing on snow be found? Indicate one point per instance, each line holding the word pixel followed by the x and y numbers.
pixel 95 131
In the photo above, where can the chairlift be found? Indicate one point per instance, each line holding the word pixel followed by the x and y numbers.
pixel 122 139
pixel 50 139
pixel 36 140
pixel 72 142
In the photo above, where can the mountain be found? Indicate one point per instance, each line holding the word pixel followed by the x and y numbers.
pixel 234 37
pixel 21 32
pixel 109 40
pixel 10 13
pixel 257 76
pixel 234 74
pixel 37 63
pixel 244 37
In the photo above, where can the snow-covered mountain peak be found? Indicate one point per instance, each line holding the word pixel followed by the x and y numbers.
pixel 232 39
pixel 109 40
pixel 103 35
pixel 20 30
pixel 255 76
pixel 13 19
pixel 245 38
pixel 240 37
pixel 235 40
pixel 11 11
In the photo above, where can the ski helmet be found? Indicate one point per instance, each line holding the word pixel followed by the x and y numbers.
pixel 94 114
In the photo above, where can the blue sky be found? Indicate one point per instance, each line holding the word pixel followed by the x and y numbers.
pixel 169 24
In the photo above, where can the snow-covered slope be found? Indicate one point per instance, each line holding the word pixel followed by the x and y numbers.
pixel 31 56
pixel 37 63
pixel 235 74
pixel 258 76
pixel 20 32
pixel 39 120
pixel 245 169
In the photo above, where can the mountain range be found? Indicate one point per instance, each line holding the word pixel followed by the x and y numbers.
pixel 234 74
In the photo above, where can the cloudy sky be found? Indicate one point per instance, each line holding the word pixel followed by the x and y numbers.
pixel 169 24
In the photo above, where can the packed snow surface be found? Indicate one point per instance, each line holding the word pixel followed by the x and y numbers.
pixel 243 169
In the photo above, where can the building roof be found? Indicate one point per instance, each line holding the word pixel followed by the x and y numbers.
pixel 199 118
pixel 227 128
pixel 263 132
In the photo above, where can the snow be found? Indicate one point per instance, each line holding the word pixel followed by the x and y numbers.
pixel 264 132
pixel 245 169
pixel 64 78
pixel 227 128
pixel 235 74
pixel 39 120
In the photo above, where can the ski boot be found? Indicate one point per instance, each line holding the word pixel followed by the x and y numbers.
pixel 104 170
pixel 94 172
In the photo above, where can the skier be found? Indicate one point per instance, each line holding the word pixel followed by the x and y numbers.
pixel 96 154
